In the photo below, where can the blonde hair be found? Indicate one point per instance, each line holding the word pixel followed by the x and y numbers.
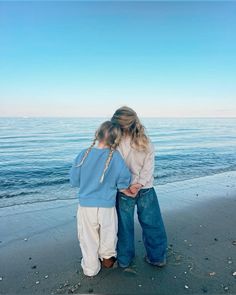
pixel 110 134
pixel 130 125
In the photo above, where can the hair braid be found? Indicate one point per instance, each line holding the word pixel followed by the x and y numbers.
pixel 107 164
pixel 112 149
pixel 87 152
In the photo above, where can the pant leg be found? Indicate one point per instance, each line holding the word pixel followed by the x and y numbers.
pixel 154 234
pixel 107 218
pixel 88 234
pixel 125 245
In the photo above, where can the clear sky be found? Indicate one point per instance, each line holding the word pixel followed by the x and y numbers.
pixel 86 59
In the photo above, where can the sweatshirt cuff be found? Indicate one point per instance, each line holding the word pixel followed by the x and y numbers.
pixel 142 181
pixel 135 180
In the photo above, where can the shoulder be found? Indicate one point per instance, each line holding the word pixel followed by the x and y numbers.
pixel 117 156
pixel 80 155
pixel 119 162
pixel 82 152
pixel 125 146
pixel 118 159
pixel 151 147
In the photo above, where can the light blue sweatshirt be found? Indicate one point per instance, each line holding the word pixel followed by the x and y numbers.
pixel 93 193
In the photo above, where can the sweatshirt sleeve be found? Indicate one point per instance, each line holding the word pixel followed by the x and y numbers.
pixel 146 173
pixel 75 171
pixel 124 178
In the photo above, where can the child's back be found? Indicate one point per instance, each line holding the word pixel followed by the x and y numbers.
pixel 93 192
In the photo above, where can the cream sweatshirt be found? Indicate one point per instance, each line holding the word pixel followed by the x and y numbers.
pixel 140 163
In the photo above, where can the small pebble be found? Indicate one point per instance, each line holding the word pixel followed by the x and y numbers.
pixel 140 285
pixel 200 225
pixel 1 278
pixel 71 290
pixel 230 262
pixel 25 239
pixel 46 277
pixel 190 245
pixel 34 266
pixel 212 273
pixel 178 257
pixel 234 273
pixel 226 288
pixel 37 282
pixel 30 258
pixel 234 243
pixel 186 287
pixel 175 277
pixel 216 239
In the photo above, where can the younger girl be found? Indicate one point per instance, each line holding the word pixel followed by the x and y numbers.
pixel 138 154
pixel 99 172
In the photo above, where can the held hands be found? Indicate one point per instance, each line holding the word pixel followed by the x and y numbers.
pixel 132 190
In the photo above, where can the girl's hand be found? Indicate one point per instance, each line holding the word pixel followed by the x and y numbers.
pixel 134 188
pixel 128 193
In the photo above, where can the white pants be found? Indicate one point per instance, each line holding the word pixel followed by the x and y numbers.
pixel 97 233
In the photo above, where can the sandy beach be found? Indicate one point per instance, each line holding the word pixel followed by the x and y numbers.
pixel 39 251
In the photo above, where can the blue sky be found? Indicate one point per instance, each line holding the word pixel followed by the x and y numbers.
pixel 86 59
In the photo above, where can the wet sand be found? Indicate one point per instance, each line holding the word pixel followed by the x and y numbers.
pixel 39 252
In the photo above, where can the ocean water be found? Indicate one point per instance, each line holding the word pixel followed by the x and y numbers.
pixel 36 153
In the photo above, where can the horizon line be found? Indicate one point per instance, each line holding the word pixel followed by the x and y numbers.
pixel 102 117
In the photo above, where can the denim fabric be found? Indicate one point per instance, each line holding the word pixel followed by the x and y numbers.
pixel 150 219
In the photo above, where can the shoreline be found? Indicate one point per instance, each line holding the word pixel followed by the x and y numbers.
pixel 158 186
pixel 39 251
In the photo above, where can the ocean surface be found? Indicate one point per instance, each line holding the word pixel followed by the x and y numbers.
pixel 36 153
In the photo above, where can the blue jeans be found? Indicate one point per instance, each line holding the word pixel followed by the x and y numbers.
pixel 150 219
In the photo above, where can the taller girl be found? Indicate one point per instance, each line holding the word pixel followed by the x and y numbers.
pixel 138 153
